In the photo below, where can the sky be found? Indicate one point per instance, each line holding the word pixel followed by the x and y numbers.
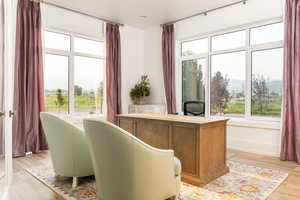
pixel 269 62
pixel 231 64
pixel 56 72
pixel 88 72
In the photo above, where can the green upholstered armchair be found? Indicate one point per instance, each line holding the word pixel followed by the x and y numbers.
pixel 127 168
pixel 68 147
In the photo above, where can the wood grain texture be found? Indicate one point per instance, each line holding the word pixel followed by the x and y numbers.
pixel 185 145
pixel 127 125
pixel 26 187
pixel 213 152
pixel 154 133
pixel 199 143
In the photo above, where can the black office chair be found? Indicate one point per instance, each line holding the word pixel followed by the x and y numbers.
pixel 196 108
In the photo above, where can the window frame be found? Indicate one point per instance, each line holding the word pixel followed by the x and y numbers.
pixel 71 65
pixel 248 48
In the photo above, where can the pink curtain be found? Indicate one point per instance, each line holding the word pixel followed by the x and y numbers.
pixel 113 71
pixel 28 135
pixel 168 57
pixel 290 150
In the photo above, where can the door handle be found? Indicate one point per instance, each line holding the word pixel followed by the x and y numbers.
pixel 2 114
pixel 11 113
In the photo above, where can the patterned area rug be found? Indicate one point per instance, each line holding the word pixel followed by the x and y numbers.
pixel 244 182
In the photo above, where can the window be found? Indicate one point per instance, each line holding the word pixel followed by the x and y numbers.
pixel 73 74
pixel 88 46
pixel 229 41
pixel 227 84
pixel 193 80
pixel 194 47
pixel 266 34
pixel 244 71
pixel 267 82
pixel 57 41
pixel 88 85
pixel 56 83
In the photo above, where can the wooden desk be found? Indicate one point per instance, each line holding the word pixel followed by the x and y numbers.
pixel 199 143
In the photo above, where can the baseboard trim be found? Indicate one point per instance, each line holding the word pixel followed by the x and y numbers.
pixel 251 147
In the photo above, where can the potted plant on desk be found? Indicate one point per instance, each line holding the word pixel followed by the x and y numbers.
pixel 141 91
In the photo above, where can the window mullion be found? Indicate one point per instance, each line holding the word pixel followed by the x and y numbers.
pixel 192 57
pixel 71 78
pixel 179 77
pixel 229 51
pixel 208 76
pixel 248 75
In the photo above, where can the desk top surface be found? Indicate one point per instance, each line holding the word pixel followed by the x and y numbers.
pixel 175 118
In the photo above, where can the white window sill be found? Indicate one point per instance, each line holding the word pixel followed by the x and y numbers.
pixel 254 122
pixel 261 123
pixel 81 115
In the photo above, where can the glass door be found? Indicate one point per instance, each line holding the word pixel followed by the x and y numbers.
pixel 2 138
pixel 6 92
pixel 194 78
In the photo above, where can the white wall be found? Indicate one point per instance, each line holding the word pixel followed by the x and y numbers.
pixel 132 52
pixel 254 136
pixel 250 136
pixel 57 18
pixel 153 64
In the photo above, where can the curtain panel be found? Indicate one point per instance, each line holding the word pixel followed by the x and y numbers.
pixel 168 57
pixel 28 135
pixel 290 148
pixel 113 71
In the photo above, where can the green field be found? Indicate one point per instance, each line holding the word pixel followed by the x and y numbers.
pixel 236 107
pixel 52 107
pixel 271 109
pixel 83 103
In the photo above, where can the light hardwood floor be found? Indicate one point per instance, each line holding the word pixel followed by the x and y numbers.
pixel 26 187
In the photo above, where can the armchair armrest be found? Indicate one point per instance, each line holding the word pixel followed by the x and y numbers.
pixel 155 168
pixel 177 165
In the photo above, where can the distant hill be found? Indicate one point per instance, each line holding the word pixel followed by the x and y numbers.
pixel 238 86
pixel 276 86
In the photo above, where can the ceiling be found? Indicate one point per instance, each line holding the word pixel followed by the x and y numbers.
pixel 129 12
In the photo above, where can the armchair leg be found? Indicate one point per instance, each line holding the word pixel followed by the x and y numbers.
pixel 172 198
pixel 75 182
pixel 57 177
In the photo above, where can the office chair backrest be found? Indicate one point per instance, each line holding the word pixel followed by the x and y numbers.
pixel 196 108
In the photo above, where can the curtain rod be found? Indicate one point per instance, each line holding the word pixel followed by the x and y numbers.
pixel 206 12
pixel 76 11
